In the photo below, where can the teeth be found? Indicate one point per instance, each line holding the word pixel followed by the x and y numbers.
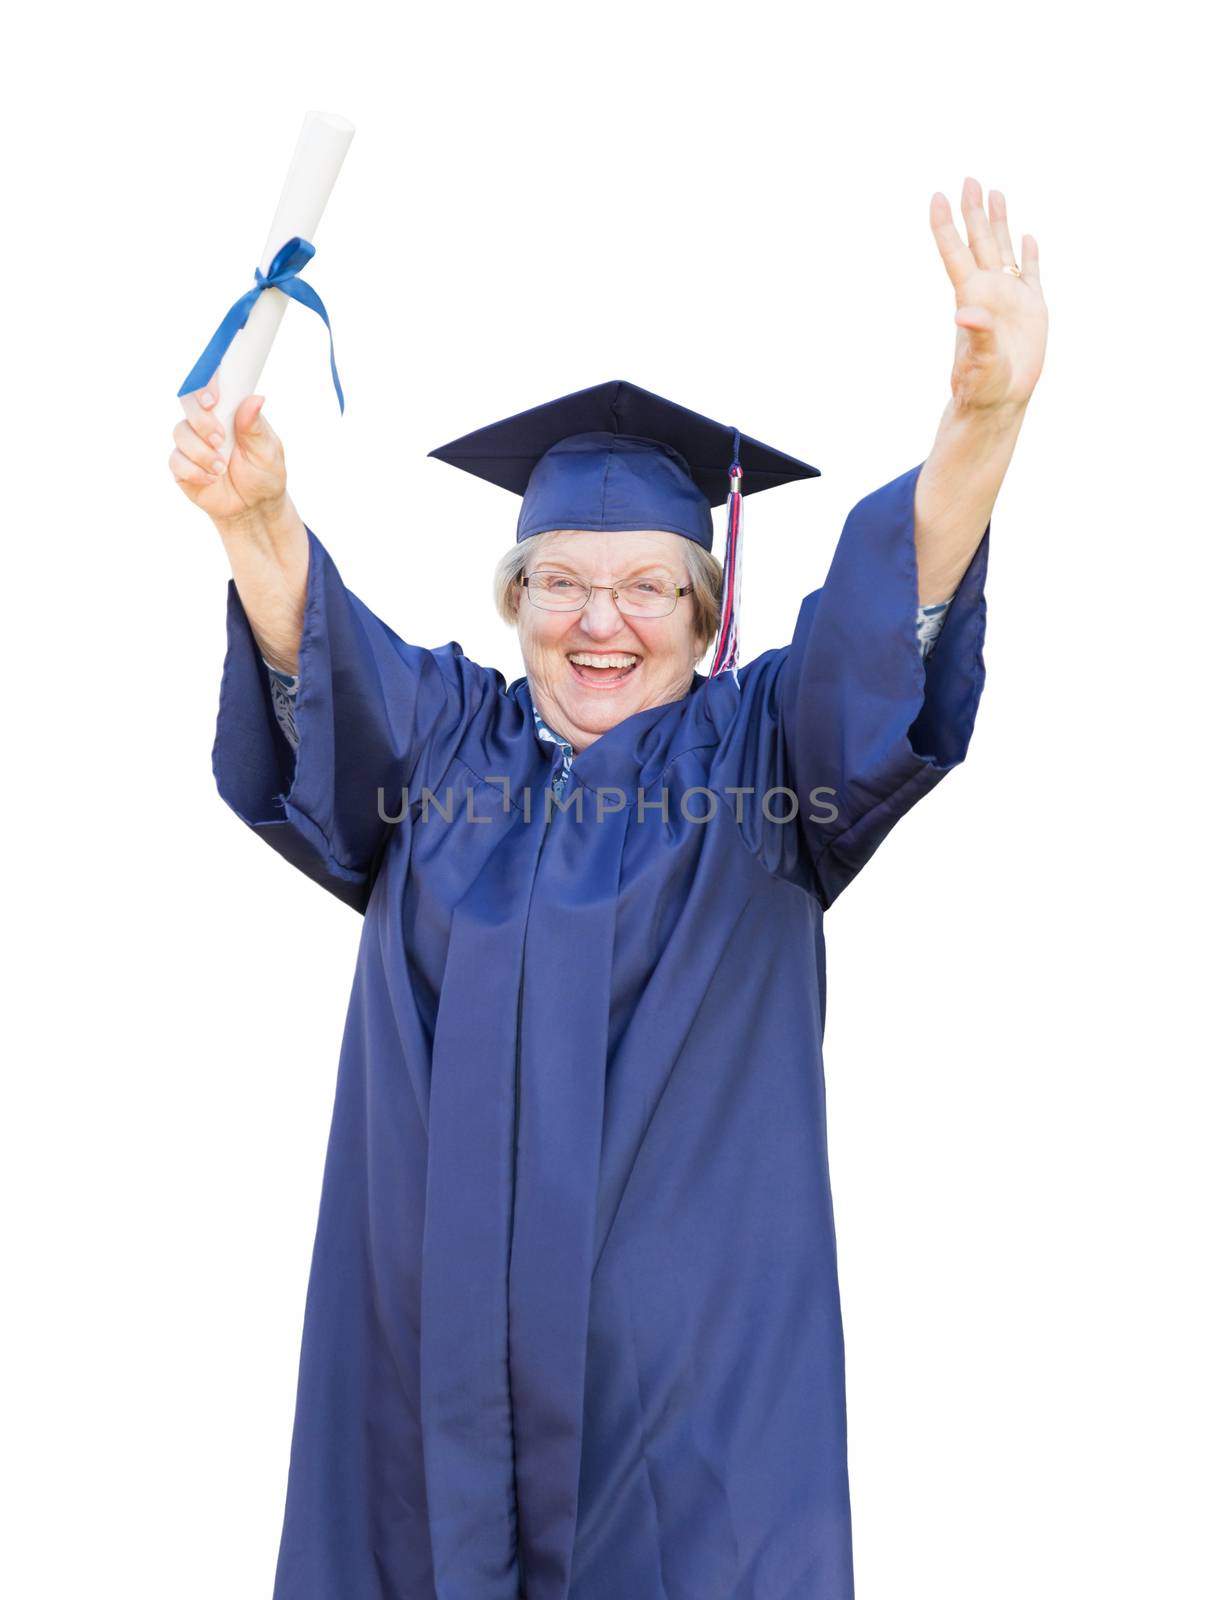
pixel 587 660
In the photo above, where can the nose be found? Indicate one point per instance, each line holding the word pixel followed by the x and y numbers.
pixel 600 618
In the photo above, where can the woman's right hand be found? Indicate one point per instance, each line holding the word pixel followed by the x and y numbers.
pixel 265 539
pixel 251 486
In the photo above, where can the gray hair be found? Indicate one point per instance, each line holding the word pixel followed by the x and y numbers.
pixel 704 574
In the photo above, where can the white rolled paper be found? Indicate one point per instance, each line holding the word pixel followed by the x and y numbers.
pixel 318 156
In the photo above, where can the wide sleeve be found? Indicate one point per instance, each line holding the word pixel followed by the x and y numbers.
pixel 865 723
pixel 373 715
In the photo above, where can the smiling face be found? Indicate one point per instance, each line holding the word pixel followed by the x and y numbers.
pixel 590 669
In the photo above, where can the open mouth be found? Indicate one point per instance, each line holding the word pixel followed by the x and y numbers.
pixel 603 670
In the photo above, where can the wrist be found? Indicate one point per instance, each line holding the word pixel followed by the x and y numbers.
pixel 992 420
pixel 279 659
pixel 272 524
pixel 970 441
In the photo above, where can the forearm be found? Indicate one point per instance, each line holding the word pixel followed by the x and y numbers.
pixel 956 490
pixel 269 557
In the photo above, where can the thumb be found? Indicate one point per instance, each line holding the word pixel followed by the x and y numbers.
pixel 247 419
pixel 974 319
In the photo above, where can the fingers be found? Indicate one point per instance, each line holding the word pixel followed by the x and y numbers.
pixel 989 246
pixel 981 237
pixel 1029 261
pixel 999 229
pixel 958 258
pixel 186 471
pixel 256 472
pixel 196 449
pixel 199 407
pixel 197 435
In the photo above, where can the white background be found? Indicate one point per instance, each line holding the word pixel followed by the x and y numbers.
pixel 729 206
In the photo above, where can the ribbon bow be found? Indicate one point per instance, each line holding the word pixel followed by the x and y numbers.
pixel 282 274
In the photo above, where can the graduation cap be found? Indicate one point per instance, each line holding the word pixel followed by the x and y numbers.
pixel 616 457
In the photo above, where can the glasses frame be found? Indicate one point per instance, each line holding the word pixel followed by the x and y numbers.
pixel 678 591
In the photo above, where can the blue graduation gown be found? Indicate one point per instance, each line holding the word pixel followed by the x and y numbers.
pixel 573 1326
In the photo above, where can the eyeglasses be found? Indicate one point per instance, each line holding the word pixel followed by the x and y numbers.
pixel 644 597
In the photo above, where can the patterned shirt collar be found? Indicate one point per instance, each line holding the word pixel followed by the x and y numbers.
pixel 566 753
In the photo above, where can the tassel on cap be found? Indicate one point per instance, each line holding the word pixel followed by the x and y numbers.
pixel 725 657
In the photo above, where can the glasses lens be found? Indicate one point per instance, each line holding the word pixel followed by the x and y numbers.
pixel 647 598
pixel 554 592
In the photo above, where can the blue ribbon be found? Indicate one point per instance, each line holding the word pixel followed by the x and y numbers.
pixel 282 274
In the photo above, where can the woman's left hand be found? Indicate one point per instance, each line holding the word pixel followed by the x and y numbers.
pixel 1002 321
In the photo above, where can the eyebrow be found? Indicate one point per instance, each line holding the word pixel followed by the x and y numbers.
pixel 634 572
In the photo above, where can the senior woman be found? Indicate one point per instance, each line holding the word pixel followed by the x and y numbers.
pixel 573 1327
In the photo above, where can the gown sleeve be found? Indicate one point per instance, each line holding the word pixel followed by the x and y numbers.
pixel 370 713
pixel 867 721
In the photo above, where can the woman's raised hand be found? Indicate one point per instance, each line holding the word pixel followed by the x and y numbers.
pixel 1002 321
pixel 251 486
pixel 265 538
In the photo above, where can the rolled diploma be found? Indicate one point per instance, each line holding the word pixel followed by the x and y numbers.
pixel 318 156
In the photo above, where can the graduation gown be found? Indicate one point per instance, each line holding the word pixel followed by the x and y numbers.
pixel 573 1326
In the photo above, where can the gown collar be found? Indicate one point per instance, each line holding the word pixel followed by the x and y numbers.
pixel 636 750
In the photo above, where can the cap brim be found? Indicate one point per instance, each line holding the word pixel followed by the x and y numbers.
pixel 506 452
